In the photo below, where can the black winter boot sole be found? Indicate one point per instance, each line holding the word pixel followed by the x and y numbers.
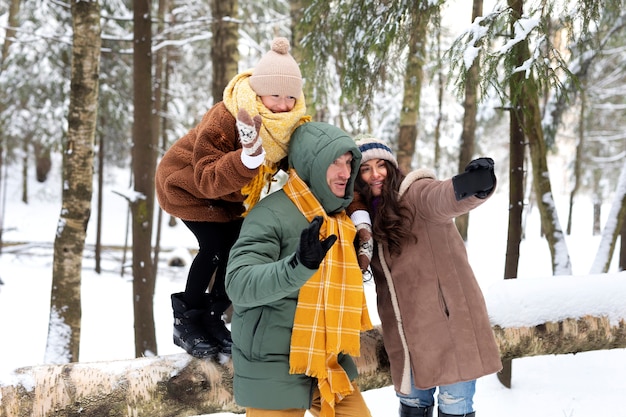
pixel 194 350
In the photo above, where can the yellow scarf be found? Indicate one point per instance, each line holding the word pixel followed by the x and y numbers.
pixel 275 132
pixel 332 309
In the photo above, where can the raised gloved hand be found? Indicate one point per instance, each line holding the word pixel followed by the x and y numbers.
pixel 480 163
pixel 366 245
pixel 248 129
pixel 478 179
pixel 311 250
pixel 485 165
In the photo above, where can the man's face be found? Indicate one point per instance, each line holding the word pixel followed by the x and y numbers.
pixel 338 174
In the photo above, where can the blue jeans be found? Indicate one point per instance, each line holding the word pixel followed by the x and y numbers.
pixel 455 399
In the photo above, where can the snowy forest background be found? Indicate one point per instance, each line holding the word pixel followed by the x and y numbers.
pixel 537 85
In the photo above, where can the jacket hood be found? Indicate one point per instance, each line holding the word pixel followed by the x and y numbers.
pixel 312 148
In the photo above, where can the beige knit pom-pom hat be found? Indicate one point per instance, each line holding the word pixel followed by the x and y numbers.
pixel 277 73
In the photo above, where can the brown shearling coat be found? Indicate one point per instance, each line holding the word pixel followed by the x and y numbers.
pixel 433 314
pixel 201 175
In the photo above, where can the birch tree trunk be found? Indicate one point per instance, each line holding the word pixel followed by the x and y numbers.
pixel 612 228
pixel 9 34
pixel 65 305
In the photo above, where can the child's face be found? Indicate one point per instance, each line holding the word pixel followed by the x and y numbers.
pixel 279 104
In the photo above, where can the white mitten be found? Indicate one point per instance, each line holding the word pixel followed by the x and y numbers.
pixel 366 245
pixel 248 129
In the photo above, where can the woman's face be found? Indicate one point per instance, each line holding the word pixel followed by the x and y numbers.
pixel 373 173
pixel 279 104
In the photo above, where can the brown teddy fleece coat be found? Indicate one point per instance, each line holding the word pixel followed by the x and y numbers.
pixel 200 177
pixel 433 313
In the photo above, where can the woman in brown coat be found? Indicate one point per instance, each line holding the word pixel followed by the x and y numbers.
pixel 213 174
pixel 434 320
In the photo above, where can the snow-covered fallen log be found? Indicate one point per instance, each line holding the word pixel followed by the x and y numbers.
pixel 558 314
pixel 554 315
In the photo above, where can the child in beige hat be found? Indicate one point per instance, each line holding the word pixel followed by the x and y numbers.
pixel 210 177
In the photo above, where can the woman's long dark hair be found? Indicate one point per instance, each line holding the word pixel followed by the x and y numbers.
pixel 389 214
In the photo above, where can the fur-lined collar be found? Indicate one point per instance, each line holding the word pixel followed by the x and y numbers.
pixel 413 176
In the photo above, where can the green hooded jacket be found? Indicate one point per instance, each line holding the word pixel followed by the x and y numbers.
pixel 263 278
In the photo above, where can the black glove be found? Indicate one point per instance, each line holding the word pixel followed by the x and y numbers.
pixel 480 163
pixel 478 179
pixel 311 250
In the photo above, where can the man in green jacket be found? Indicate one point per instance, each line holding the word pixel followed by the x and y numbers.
pixel 296 287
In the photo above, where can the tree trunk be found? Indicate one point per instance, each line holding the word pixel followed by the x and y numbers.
pixel 597 211
pixel 612 228
pixel 516 184
pixel 9 34
pixel 516 192
pixel 25 145
pixel 180 385
pixel 622 248
pixel 3 182
pixel 160 110
pixel 296 13
pixel 43 160
pixel 440 89
pixel 577 160
pixel 224 52
pixel 468 135
pixel 144 156
pixel 65 304
pixel 100 197
pixel 571 335
pixel 413 77
pixel 529 100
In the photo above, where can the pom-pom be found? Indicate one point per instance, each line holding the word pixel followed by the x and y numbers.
pixel 280 45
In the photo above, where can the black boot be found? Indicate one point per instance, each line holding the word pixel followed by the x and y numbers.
pixel 406 411
pixel 189 331
pixel 441 414
pixel 216 328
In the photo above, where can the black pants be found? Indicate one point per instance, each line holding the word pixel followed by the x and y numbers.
pixel 215 241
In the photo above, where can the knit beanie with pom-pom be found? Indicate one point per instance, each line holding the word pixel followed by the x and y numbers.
pixel 277 73
pixel 372 148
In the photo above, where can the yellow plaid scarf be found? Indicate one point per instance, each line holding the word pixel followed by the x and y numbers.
pixel 332 309
pixel 275 131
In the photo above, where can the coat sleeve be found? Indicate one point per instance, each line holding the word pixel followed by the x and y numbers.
pixel 357 203
pixel 218 170
pixel 434 200
pixel 262 266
